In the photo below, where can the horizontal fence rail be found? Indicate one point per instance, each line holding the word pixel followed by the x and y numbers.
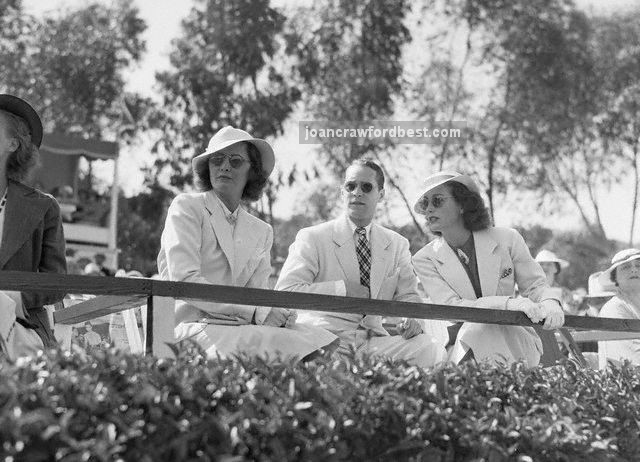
pixel 50 282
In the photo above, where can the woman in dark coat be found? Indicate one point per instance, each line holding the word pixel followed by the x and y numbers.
pixel 30 221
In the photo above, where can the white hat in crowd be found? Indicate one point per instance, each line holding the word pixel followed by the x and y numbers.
pixel 596 289
pixel 546 256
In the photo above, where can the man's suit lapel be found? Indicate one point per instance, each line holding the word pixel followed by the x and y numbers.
pixel 346 249
pixel 452 270
pixel 488 262
pixel 222 232
pixel 24 210
pixel 380 250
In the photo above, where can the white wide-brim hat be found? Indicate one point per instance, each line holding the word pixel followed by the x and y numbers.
pixel 596 289
pixel 622 257
pixel 547 256
pixel 228 136
pixel 441 178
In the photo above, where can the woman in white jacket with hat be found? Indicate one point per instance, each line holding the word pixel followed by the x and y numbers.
pixel 474 264
pixel 210 239
pixel 552 265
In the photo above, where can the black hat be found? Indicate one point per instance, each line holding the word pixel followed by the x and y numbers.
pixel 21 108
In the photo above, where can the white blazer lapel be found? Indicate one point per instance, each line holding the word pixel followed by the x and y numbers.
pixel 488 262
pixel 219 226
pixel 452 270
pixel 346 249
pixel 380 250
pixel 247 239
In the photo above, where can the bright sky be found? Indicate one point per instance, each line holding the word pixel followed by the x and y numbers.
pixel 163 20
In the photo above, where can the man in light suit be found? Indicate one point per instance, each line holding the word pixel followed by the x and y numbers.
pixel 354 257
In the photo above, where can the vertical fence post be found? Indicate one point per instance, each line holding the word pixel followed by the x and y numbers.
pixel 148 326
pixel 159 330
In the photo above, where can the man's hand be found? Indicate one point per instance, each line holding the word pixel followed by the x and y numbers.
pixel 291 319
pixel 277 317
pixel 531 309
pixel 409 328
pixel 356 290
pixel 552 313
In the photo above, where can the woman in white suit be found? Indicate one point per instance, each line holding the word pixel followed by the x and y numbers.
pixel 208 238
pixel 472 263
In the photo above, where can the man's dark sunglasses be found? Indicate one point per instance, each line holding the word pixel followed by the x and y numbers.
pixel 365 186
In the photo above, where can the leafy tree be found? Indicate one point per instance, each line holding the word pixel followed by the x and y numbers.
pixel 71 66
pixel 621 125
pixel 601 147
pixel 441 90
pixel 16 30
pixel 543 71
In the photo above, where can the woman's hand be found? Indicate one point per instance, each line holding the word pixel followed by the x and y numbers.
pixel 553 314
pixel 291 319
pixel 531 309
pixel 278 317
pixel 409 328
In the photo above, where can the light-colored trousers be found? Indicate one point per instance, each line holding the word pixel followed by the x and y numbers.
pixel 421 350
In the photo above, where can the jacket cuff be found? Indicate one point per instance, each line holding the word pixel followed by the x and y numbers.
pixel 260 314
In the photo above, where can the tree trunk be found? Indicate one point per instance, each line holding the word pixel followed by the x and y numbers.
pixel 636 178
pixel 597 231
pixel 456 99
pixel 395 186
pixel 491 165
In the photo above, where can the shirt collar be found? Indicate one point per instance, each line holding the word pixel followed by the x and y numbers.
pixel 231 217
pixel 353 227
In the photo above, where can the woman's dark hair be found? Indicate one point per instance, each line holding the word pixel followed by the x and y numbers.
pixel 613 275
pixel 256 180
pixel 474 213
pixel 25 158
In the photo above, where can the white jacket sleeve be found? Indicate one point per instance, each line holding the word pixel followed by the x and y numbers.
pixel 302 267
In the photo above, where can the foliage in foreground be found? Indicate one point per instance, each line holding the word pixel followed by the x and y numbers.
pixel 112 406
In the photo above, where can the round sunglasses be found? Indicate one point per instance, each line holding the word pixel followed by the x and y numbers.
pixel 437 201
pixel 365 186
pixel 234 161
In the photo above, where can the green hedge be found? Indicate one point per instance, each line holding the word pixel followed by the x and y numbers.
pixel 111 406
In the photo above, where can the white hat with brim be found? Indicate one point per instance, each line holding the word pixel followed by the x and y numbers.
pixel 596 289
pixel 546 256
pixel 441 178
pixel 228 136
pixel 622 257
